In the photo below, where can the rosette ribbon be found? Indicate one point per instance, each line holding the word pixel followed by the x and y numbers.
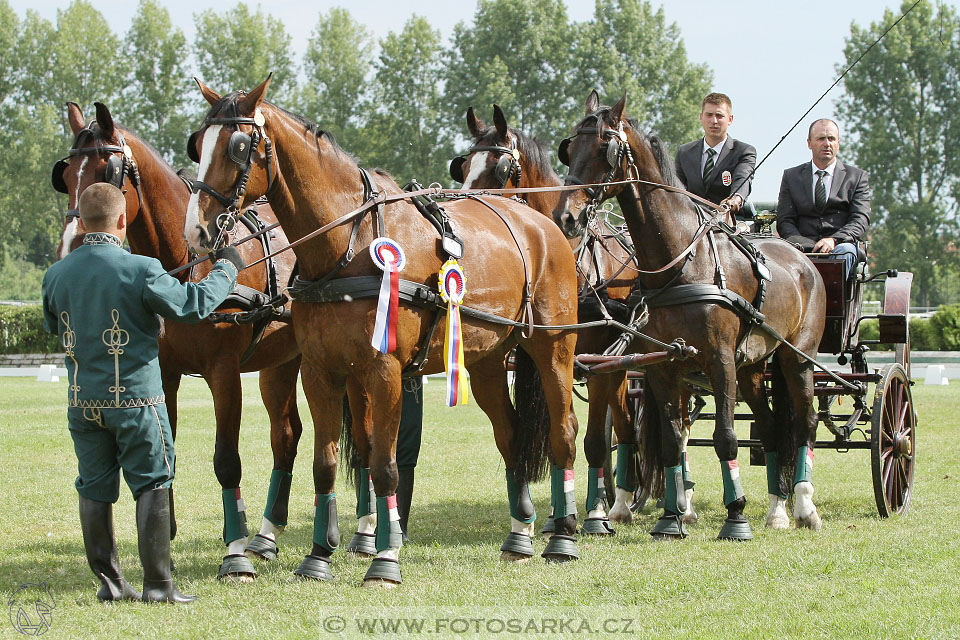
pixel 389 257
pixel 452 289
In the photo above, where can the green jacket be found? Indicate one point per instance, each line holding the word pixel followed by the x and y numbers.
pixel 104 304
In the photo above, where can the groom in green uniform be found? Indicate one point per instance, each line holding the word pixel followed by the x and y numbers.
pixel 104 304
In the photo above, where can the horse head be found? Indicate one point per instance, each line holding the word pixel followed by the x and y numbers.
pixel 495 161
pixel 235 157
pixel 99 153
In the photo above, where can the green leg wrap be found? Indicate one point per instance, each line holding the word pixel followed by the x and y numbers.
pixel 278 498
pixel 732 489
pixel 326 532
pixel 804 465
pixel 561 492
pixel 234 516
pixel 596 497
pixel 674 498
pixel 389 535
pixel 626 476
pixel 773 474
pixel 366 498
pixel 688 482
pixel 521 505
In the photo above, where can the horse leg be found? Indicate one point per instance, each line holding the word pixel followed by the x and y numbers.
pixel 324 394
pixel 799 381
pixel 224 382
pixel 664 389
pixel 750 379
pixel 363 543
pixel 171 386
pixel 488 382
pixel 601 391
pixel 723 378
pixel 689 516
pixel 278 388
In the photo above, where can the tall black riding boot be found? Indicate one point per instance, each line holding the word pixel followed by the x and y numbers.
pixel 404 497
pixel 96 522
pixel 153 527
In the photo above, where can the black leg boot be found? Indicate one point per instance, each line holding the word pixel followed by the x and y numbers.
pixel 153 527
pixel 96 522
pixel 404 497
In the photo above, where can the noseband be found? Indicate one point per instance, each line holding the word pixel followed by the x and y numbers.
pixel 508 166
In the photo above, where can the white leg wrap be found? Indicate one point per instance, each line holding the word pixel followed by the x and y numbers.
pixel 620 511
pixel 237 546
pixel 367 524
pixel 269 530
pixel 597 513
pixel 804 511
pixel 777 517
pixel 392 554
pixel 689 516
pixel 526 528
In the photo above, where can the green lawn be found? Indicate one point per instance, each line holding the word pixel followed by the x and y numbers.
pixel 858 577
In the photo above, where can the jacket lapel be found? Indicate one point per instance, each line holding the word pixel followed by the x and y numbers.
pixel 805 188
pixel 839 173
pixel 691 167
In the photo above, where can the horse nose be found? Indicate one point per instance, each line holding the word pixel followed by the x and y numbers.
pixel 568 223
pixel 204 236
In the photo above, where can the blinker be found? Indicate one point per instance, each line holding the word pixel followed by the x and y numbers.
pixel 56 176
pixel 456 168
pixel 562 154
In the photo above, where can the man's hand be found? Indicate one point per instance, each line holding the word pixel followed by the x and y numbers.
pixel 734 202
pixel 825 245
pixel 232 255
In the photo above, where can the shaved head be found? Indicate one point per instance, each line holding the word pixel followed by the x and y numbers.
pixel 101 205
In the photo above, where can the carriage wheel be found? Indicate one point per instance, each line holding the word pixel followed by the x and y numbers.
pixel 893 441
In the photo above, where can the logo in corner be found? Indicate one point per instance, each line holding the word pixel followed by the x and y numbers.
pixel 31 609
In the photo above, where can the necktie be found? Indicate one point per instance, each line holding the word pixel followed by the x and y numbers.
pixel 820 192
pixel 708 167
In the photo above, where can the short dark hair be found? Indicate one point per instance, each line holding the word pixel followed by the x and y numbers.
pixel 716 98
pixel 815 122
pixel 101 205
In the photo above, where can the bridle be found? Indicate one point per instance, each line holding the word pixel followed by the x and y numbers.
pixel 508 166
pixel 240 150
pixel 118 167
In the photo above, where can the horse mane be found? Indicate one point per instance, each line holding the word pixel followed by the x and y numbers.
pixel 530 147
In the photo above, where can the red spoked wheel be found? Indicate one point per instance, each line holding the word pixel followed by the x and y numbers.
pixel 893 441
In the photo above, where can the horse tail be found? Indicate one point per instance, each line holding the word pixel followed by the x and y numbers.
pixel 532 434
pixel 649 435
pixel 784 419
pixel 349 458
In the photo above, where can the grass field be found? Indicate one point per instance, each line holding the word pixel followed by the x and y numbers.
pixel 859 577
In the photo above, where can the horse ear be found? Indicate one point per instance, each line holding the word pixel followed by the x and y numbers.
pixel 592 103
pixel 209 94
pixel 74 117
pixel 616 113
pixel 249 102
pixel 105 120
pixel 500 121
pixel 474 124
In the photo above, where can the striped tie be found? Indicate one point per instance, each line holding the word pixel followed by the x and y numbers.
pixel 820 192
pixel 708 167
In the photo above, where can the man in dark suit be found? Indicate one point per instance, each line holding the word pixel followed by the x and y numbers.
pixel 717 167
pixel 824 205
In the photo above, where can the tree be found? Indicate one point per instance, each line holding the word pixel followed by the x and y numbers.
pixel 901 112
pixel 9 34
pixel 336 64
pixel 154 100
pixel 236 50
pixel 406 121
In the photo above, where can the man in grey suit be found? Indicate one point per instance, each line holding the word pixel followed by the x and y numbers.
pixel 717 167
pixel 824 205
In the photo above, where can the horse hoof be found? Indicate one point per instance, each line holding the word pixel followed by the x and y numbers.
pixel 620 513
pixel 261 548
pixel 669 527
pixel 236 568
pixel 690 517
pixel 514 558
pixel 377 583
pixel 597 527
pixel 315 568
pixel 363 545
pixel 517 546
pixel 737 530
pixel 778 522
pixel 560 549
pixel 810 522
pixel 383 572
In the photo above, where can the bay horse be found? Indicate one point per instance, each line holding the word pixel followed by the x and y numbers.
pixel 518 268
pixel 504 157
pixel 691 281
pixel 156 207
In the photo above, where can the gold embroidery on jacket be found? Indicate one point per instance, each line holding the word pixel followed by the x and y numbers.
pixel 116 338
pixel 69 339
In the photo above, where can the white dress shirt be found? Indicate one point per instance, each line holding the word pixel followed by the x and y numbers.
pixel 827 179
pixel 716 158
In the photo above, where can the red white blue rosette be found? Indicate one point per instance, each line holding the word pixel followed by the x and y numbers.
pixel 452 283
pixel 388 256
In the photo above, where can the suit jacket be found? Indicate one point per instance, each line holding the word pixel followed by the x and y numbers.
pixel 103 302
pixel 736 157
pixel 846 215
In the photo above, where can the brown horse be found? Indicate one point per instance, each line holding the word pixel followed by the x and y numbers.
pixel 214 350
pixel 694 299
pixel 504 157
pixel 518 267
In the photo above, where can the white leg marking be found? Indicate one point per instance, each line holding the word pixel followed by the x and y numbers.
pixel 69 233
pixel 191 225
pixel 777 517
pixel 804 511
pixel 620 511
pixel 392 554
pixel 367 524
pixel 270 530
pixel 690 516
pixel 477 164
pixel 526 528
pixel 237 546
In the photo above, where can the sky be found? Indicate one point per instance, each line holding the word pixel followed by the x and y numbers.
pixel 773 58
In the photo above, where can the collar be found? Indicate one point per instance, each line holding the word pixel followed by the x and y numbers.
pixel 718 147
pixel 830 168
pixel 102 237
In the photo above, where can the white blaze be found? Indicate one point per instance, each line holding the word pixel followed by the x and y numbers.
pixel 71 228
pixel 192 223
pixel 477 164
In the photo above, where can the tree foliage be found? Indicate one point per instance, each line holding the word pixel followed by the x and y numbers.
pixel 901 110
